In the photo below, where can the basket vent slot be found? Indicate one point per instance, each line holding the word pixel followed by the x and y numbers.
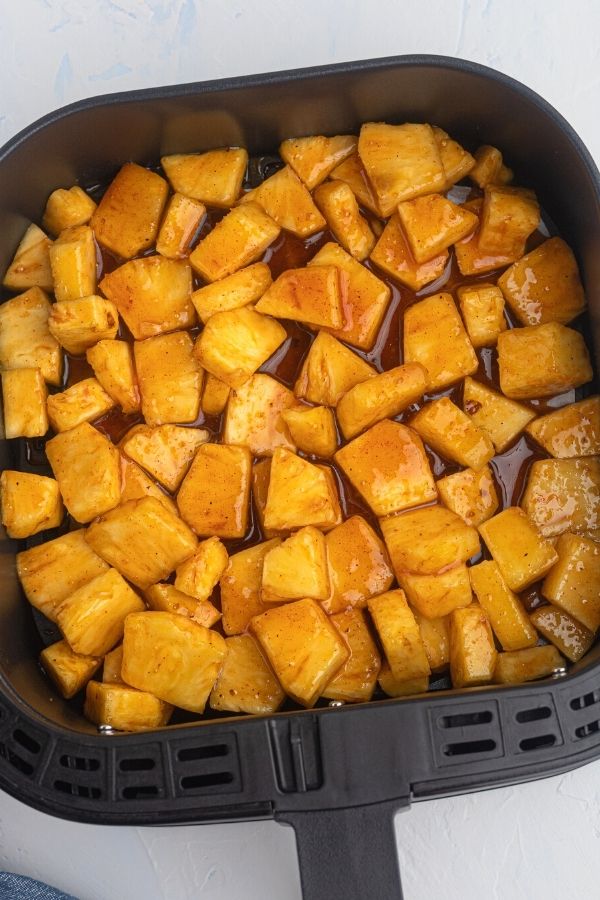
pixel 465 748
pixel 26 741
pixel 535 714
pixel 15 760
pixel 588 729
pixel 79 763
pixel 188 754
pixel 189 782
pixel 537 742
pixel 464 720
pixel 586 700
pixel 143 764
pixel 140 792
pixel 78 790
pixel 204 766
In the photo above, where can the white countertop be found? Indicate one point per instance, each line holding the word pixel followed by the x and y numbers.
pixel 530 841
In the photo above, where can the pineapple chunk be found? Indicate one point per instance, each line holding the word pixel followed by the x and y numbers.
pixel 359 566
pixel 79 324
pixel 82 402
pixel 570 637
pixel 214 498
pixel 312 429
pixel 382 397
pixel 296 568
pixel 243 287
pixel 246 683
pixel 470 494
pixel 261 475
pixel 573 582
pixel 456 161
pixel 254 416
pixel 123 537
pixel 564 495
pixel 214 177
pixel 329 370
pixel 352 172
pixel 24 397
pixel 401 161
pixel 239 239
pixel 399 634
pixel 152 295
pixel 198 575
pixel 67 209
pixel 571 431
pixel 435 596
pixel 432 224
pixel 426 541
pixel 123 708
pixel 393 254
pixel 473 260
pixel 314 158
pixel 435 336
pixel 30 503
pixel 520 666
pixel 395 687
pixel 488 165
pixel 522 554
pixel 92 618
pixel 503 608
pixel 127 218
pixel 332 484
pixel 286 200
pixel 112 362
pixel 435 634
pixel 508 216
pixel 166 598
pixel 338 204
pixel 303 646
pixel 87 468
pixel 501 419
pixel 30 266
pixel 73 263
pixel 165 452
pixel 169 377
pixel 482 308
pixel 449 431
pixel 215 395
pixel 235 343
pixel 111 670
pixel 179 226
pixel 311 295
pixel 240 587
pixel 135 484
pixel 51 572
pixel 472 651
pixel 557 361
pixel 69 671
pixel 299 494
pixel 356 680
pixel 25 339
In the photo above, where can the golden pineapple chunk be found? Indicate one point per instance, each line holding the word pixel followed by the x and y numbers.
pixel 556 359
pixel 312 429
pixel 169 377
pixel 179 226
pixel 520 666
pixel 571 431
pixel 73 263
pixel 470 494
pixel 87 468
pixel 112 362
pixel 573 582
pixel 241 585
pixel 246 683
pixel 240 238
pixel 124 535
pixel 396 687
pixel 456 161
pixel 67 208
pixel 449 431
pixel 127 218
pixel 564 495
pixel 215 395
pixel 314 158
pixel 330 478
pixel 123 708
pixel 69 671
pixel 399 634
pixel 488 165
pixel 287 201
pixel 240 289
pixel 152 294
pixel 508 216
pixel 435 596
pixel 166 598
pixel 312 295
pixel 51 572
pixel 261 475
pixel 432 224
pixel 435 634
pixel 81 323
pixel 497 416
pixel 482 308
pixel 503 608
pixel 522 554
pixel 352 172
pixel 473 260
pixel 135 484
pixel 359 566
pixel 435 336
pixel 393 254
pixel 24 397
pixel 111 669
pixel 570 637
pixel 30 266
pixel 165 452
pixel 329 370
pixel 401 161
pixel 198 575
pixel 356 680
pixel 84 401
pixel 254 416
pixel 214 498
pixel 299 494
pixel 472 651
pixel 235 343
pixel 296 568
pixel 25 339
pixel 30 503
pixel 382 397
pixel 338 204
pixel 303 646
pixel 428 540
pixel 214 177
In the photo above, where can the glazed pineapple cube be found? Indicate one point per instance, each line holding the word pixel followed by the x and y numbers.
pixel 435 596
pixel 557 361
pixel 240 289
pixel 73 263
pixel 482 308
pixel 235 343
pixel 30 266
pixel 30 503
pixel 505 612
pixel 143 540
pixel 472 651
pixel 312 295
pixel 241 585
pixel 314 158
pixel 25 339
pixel 127 218
pixel 399 634
pixel 508 216
pixel 356 680
pixel 179 226
pixel 338 204
pixel 198 575
pixel 135 484
pixel 352 172
pixel 387 465
pixel 522 554
pixel 214 498
pixel 426 541
pixel 24 397
pixel 287 201
pixel 456 161
pixel 165 452
pixel 573 582
pixel 432 224
pixel 397 687
pixel 571 431
pixel 69 671
pixel 393 254
pixel 111 669
pixel 51 572
pixel 239 239
pixel 296 568
pixel 246 683
pixel 169 377
pixel 254 416
pixel 564 495
pixel 450 431
pixel 299 494
pixel 81 323
pixel 435 634
pixel 84 401
pixel 303 646
pixel 434 336
pixel 261 475
pixel 312 429
pixel 470 494
pixel 330 478
pixel 112 362
pixel 329 370
pixel 152 294
pixel 166 598
pixel 500 418
pixel 520 666
pixel 568 635
pixel 214 177
pixel 123 708
pixel 215 395
pixel 67 208
pixel 359 566
pixel 473 260
pixel 488 165
pixel 382 397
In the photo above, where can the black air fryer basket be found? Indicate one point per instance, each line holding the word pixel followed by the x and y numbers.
pixel 336 775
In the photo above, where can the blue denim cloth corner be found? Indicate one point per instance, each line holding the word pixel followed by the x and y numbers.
pixel 18 887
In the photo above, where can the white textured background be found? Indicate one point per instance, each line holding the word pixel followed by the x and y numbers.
pixel 534 841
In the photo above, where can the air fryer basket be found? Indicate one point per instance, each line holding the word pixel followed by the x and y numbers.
pixel 336 775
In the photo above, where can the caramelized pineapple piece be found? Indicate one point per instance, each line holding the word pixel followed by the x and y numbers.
pixel 426 541
pixel 214 177
pixel 312 429
pixel 488 165
pixel 67 209
pixel 332 484
pixel 432 224
pixel 472 651
pixel 79 324
pixel 522 554
pixel 338 204
pixel 382 397
pixel 393 254
pixel 501 419
pixel 254 416
pixel 170 379
pixel 314 158
pixel 25 339
pixel 568 635
pixel 112 362
pixel 508 216
pixel 30 266
pixel 198 575
pixel 482 308
pixel 166 598
pixel 352 172
pixel 111 669
pixel 123 708
pixel 166 452
pixel 214 498
pixel 397 687
pixel 564 495
pixel 456 161
pixel 243 287
pixel 246 683
pixel 127 218
pixel 286 200
pixel 311 295
pixel 296 568
pixel 434 336
pixel 399 634
pixel 571 431
pixel 572 583
pixel 299 494
pixel 73 263
pixel 215 395
pixel 435 634
pixel 557 361
pixel 30 503
pixel 241 585
pixel 261 475
pixel 449 431
pixel 520 666
pixel 505 612
pixel 359 566
pixel 69 671
pixel 24 397
pixel 435 596
pixel 135 484
pixel 355 681
pixel 84 401
pixel 239 239
pixel 179 226
pixel 329 370
pixel 473 260
pixel 470 494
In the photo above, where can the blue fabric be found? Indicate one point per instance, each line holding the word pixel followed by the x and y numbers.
pixel 18 887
